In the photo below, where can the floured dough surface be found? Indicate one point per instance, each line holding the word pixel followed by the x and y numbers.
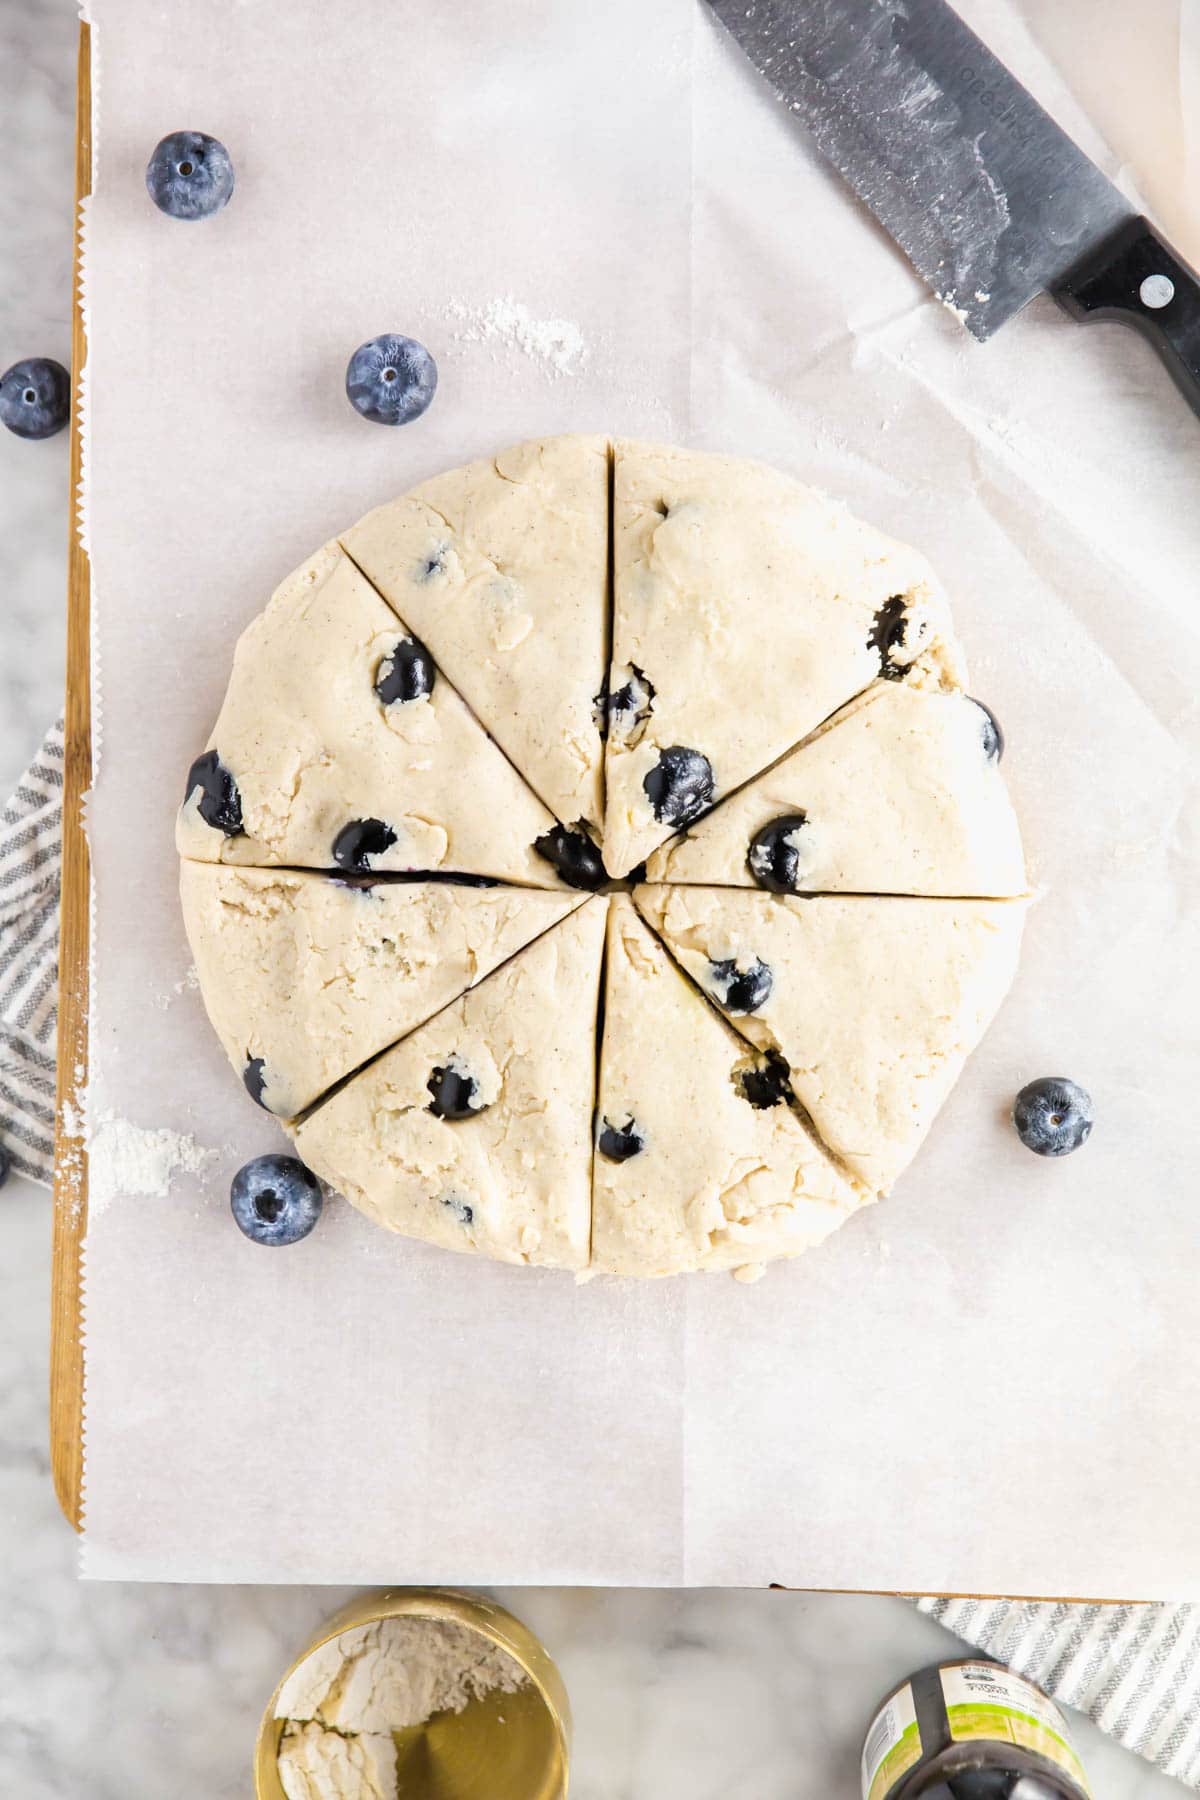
pixel 701 1163
pixel 901 793
pixel 747 609
pixel 875 1004
pixel 513 1179
pixel 315 752
pixel 752 706
pixel 502 569
pixel 306 976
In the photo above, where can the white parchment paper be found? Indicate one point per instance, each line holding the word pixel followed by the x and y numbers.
pixel 990 1383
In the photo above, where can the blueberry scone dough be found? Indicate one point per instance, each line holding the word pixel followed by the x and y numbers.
pixel 502 569
pixel 475 1132
pixel 340 745
pixel 747 609
pixel 899 793
pixel 873 1003
pixel 305 976
pixel 701 1160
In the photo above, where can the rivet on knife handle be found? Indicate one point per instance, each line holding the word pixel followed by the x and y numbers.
pixel 1135 278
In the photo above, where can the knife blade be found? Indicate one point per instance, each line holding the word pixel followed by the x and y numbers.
pixel 988 198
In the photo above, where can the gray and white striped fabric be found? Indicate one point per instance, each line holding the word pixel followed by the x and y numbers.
pixel 30 868
pixel 1134 1669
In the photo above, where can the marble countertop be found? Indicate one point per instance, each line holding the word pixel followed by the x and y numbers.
pixel 134 1692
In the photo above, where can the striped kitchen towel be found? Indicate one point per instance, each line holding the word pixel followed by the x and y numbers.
pixel 30 868
pixel 1134 1669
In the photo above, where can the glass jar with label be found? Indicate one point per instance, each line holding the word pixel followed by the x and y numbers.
pixel 970 1730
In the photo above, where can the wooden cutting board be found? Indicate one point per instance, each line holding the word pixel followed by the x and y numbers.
pixel 70 1152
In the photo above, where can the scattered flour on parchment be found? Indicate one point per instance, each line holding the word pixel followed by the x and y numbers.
pixel 345 1700
pixel 190 984
pixel 131 1159
pixel 557 344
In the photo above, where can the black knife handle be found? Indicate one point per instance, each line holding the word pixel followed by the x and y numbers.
pixel 1135 278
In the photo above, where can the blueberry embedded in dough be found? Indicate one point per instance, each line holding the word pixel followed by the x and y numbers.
pixel 990 733
pixel 898 633
pixel 740 990
pixel 254 1080
pixel 574 855
pixel 462 1209
pixel 621 1141
pixel 680 786
pixel 776 855
pixel 360 840
pixel 763 1082
pixel 219 803
pixel 456 1091
pixel 406 675
pixel 629 707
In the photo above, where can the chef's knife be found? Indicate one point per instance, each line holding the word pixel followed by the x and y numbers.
pixel 988 199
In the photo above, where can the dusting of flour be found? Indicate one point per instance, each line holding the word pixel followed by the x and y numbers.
pixel 345 1700
pixel 130 1159
pixel 557 344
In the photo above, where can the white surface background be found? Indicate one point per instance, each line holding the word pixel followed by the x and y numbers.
pixel 874 1415
pixel 125 1691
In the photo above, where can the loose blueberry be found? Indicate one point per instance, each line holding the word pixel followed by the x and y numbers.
pixel 989 731
pixel 254 1080
pixel 773 859
pixel 462 1209
pixel 1053 1116
pixel 629 707
pixel 455 1093
pixel 407 673
pixel 680 786
pixel 741 990
pixel 575 857
pixel 619 1142
pixel 220 804
pixel 5 1165
pixel 35 397
pixel 766 1084
pixel 276 1200
pixel 391 380
pixel 887 634
pixel 360 840
pixel 190 175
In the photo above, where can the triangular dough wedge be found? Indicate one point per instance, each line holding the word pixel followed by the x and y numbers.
pixel 512 1179
pixel 306 977
pixel 874 1004
pixel 689 1172
pixel 319 771
pixel 502 569
pixel 747 609
pixel 900 793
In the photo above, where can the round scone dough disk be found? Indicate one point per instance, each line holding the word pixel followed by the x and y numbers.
pixel 575 657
